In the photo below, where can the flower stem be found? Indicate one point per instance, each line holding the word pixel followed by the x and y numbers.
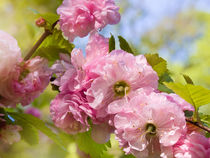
pixel 46 33
pixel 198 125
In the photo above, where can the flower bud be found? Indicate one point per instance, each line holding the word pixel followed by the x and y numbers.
pixel 41 22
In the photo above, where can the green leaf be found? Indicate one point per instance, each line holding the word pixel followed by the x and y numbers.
pixel 28 132
pixel 111 43
pixel 53 46
pixel 205 119
pixel 188 79
pixel 51 18
pixel 124 45
pixel 195 95
pixel 87 145
pixel 157 63
pixel 39 125
pixel 163 88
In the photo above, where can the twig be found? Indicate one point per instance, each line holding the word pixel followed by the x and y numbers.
pixel 46 33
pixel 198 125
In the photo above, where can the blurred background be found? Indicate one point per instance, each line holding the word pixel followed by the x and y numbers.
pixel 178 30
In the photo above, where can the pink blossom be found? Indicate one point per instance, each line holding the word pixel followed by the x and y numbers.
pixel 70 112
pixel 33 111
pixel 193 145
pixel 179 101
pixel 98 46
pixel 71 74
pixel 118 74
pixel 10 56
pixel 9 134
pixel 60 67
pixel 28 81
pixel 79 17
pixel 151 123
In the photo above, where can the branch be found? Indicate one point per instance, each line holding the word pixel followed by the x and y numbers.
pixel 46 33
pixel 198 125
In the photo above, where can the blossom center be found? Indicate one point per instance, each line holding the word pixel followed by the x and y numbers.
pixel 121 88
pixel 151 129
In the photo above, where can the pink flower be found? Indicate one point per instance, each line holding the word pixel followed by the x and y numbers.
pixel 33 111
pixel 70 112
pixel 118 74
pixel 10 56
pixel 79 17
pixel 193 145
pixel 28 81
pixel 71 74
pixel 60 67
pixel 179 101
pixel 150 123
pixel 98 46
pixel 9 134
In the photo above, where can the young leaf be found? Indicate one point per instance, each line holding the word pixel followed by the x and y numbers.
pixel 87 145
pixel 157 63
pixel 195 95
pixel 39 125
pixel 53 46
pixel 111 43
pixel 124 45
pixel 28 132
pixel 188 79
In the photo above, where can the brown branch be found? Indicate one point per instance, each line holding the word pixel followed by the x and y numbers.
pixel 39 42
pixel 198 125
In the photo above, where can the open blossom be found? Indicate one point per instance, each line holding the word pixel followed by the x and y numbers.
pixel 151 125
pixel 193 145
pixel 9 134
pixel 79 17
pixel 71 73
pixel 97 47
pixel 70 112
pixel 28 81
pixel 9 55
pixel 60 67
pixel 118 74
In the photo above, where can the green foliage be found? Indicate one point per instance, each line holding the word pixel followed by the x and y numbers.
pixel 124 45
pixel 205 119
pixel 38 125
pixel 195 95
pixel 87 145
pixel 51 18
pixel 111 43
pixel 160 66
pixel 53 46
pixel 157 63
pixel 188 79
pixel 28 133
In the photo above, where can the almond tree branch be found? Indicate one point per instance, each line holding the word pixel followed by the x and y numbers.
pixel 198 125
pixel 46 33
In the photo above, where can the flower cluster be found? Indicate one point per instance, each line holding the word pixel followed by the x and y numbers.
pixel 79 17
pixel 21 81
pixel 117 91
